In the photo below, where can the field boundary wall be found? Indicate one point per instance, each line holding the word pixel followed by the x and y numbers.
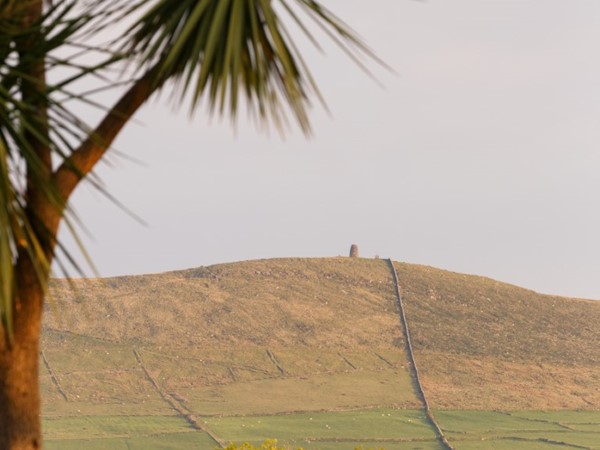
pixel 174 403
pixel 53 377
pixel 414 370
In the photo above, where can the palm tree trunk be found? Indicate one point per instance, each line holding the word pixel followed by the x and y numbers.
pixel 20 427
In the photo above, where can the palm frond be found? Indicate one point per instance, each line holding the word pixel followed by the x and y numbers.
pixel 222 52
pixel 25 125
pixel 212 48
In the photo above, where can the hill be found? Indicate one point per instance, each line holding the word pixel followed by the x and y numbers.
pixel 478 342
pixel 288 335
pixel 325 326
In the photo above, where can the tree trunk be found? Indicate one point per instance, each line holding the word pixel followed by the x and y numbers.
pixel 20 427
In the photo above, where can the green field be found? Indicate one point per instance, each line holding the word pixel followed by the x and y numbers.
pixel 392 429
pixel 522 429
pixel 168 441
pixel 389 428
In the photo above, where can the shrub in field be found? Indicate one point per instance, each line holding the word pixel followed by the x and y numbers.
pixel 271 444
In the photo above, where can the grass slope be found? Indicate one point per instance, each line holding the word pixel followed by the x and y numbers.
pixel 485 344
pixel 229 338
pixel 205 350
pixel 320 303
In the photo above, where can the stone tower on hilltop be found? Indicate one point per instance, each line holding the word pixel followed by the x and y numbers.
pixel 354 251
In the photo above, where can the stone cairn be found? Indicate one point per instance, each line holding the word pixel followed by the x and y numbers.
pixel 354 251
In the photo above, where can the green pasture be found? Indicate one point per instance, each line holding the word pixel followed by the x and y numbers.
pixel 111 426
pixel 370 445
pixel 526 430
pixel 391 429
pixel 572 418
pixel 350 426
pixel 386 428
pixel 344 444
pixel 168 441
pixel 483 423
pixel 123 432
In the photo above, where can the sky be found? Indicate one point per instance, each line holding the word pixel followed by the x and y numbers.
pixel 477 154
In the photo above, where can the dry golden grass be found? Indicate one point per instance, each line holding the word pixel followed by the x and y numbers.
pixel 338 302
pixel 484 344
pixel 314 333
pixel 320 392
pixel 460 382
pixel 208 332
pixel 476 316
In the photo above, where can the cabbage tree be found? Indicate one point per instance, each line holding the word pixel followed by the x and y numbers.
pixel 56 56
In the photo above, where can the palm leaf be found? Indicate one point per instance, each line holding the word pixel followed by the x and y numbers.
pixel 22 234
pixel 211 48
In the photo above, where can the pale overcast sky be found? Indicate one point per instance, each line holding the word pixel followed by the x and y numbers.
pixel 480 156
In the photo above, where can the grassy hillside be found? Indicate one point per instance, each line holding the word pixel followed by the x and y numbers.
pixel 479 343
pixel 485 344
pixel 313 302
pixel 185 356
pixel 255 337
